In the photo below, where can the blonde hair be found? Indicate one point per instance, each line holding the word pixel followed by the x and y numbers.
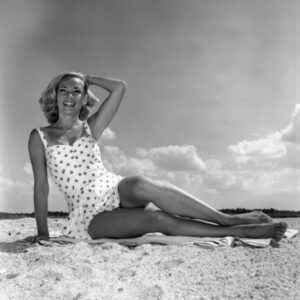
pixel 48 100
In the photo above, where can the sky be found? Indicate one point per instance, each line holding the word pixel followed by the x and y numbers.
pixel 212 102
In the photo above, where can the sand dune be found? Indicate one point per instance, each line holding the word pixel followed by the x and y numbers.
pixel 111 271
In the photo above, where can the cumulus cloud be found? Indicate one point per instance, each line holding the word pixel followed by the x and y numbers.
pixel 15 185
pixel 174 157
pixel 292 132
pixel 6 184
pixel 148 163
pixel 15 195
pixel 28 169
pixel 270 182
pixel 270 147
pixel 127 166
pixel 270 165
pixel 108 134
pixel 277 149
pixel 292 159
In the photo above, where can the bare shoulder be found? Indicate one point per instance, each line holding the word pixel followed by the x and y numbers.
pixel 35 136
pixel 37 157
pixel 35 144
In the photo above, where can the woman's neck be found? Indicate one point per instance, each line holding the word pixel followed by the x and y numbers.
pixel 67 122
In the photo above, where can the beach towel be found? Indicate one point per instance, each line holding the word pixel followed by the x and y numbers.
pixel 162 239
pixel 154 238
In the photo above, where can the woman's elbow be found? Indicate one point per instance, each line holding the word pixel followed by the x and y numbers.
pixel 123 85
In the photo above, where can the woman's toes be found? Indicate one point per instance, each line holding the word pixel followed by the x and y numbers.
pixel 280 230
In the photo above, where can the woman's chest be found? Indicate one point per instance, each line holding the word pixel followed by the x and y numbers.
pixel 84 151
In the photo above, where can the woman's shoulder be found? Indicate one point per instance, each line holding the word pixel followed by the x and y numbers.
pixel 36 137
pixel 41 128
pixel 45 128
pixel 39 133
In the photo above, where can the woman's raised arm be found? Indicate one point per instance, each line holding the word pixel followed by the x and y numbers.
pixel 41 187
pixel 101 119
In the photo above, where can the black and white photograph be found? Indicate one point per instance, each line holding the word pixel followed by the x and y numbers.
pixel 150 149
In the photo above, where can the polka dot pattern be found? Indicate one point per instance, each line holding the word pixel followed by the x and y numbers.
pixel 79 173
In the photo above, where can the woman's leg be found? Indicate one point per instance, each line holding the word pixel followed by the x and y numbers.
pixel 132 222
pixel 138 192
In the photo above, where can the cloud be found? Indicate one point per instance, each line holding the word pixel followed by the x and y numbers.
pixel 292 132
pixel 174 157
pixel 17 195
pixel 270 147
pixel 270 182
pixel 277 149
pixel 217 183
pixel 108 134
pixel 28 169
pixel 270 165
pixel 127 166
pixel 292 159
pixel 16 186
pixel 148 163
pixel 216 177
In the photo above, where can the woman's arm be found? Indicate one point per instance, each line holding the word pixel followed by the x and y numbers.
pixel 41 187
pixel 101 119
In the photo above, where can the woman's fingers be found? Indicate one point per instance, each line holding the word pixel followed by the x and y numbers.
pixel 36 238
pixel 30 239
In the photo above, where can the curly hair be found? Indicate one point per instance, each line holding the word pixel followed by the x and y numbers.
pixel 48 99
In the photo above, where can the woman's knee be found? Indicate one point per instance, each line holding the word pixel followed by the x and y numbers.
pixel 161 221
pixel 133 187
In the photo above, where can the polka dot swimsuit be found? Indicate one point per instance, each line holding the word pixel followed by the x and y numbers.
pixel 79 173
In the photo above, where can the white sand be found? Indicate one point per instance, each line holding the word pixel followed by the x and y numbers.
pixel 111 271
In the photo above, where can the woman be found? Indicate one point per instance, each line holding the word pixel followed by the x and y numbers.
pixel 101 203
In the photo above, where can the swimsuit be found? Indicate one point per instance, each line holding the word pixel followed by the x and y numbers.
pixel 79 173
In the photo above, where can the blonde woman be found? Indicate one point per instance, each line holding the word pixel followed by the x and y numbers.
pixel 101 203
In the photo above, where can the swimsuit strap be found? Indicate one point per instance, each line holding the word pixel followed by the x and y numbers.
pixel 87 128
pixel 42 136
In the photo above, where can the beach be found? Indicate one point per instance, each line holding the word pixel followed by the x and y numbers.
pixel 113 271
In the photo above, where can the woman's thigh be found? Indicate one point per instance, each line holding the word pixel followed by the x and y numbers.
pixel 137 191
pixel 128 222
pixel 129 191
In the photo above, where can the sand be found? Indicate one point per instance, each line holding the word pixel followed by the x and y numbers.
pixel 112 271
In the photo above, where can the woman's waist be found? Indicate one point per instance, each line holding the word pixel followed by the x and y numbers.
pixel 75 181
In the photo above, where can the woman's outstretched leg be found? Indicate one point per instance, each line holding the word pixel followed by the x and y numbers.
pixel 132 222
pixel 138 192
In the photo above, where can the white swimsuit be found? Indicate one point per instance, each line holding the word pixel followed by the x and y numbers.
pixel 78 172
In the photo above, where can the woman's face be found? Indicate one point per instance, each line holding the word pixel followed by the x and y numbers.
pixel 70 95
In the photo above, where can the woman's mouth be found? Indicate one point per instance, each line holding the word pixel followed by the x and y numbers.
pixel 69 103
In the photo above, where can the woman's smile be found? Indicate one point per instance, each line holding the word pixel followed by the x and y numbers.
pixel 69 103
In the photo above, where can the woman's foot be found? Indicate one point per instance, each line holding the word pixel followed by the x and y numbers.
pixel 253 217
pixel 267 230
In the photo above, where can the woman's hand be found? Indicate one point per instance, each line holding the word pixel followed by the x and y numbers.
pixel 36 238
pixel 88 80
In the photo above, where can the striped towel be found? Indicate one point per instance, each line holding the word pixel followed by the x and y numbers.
pixel 152 238
pixel 159 238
